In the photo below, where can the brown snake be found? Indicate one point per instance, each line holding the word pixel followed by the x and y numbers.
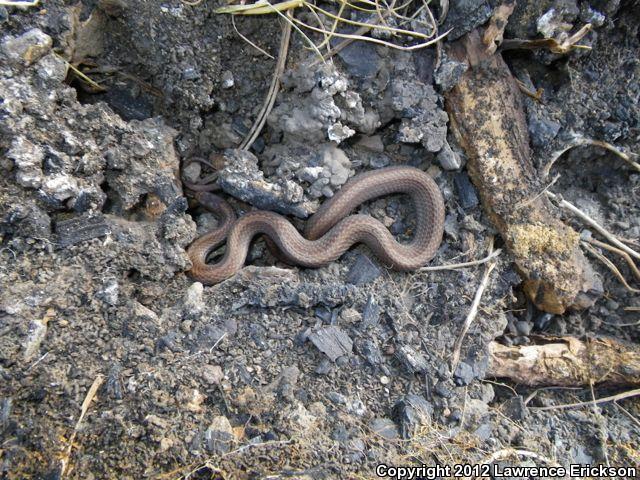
pixel 331 231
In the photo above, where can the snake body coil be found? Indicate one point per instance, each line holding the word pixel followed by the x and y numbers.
pixel 331 231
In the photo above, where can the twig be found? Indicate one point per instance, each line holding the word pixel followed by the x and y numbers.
pixel 610 265
pixel 627 413
pixel 623 254
pixel 455 266
pixel 580 141
pixel 590 221
pixel 264 52
pixel 273 88
pixel 83 410
pixel 473 311
pixel 619 396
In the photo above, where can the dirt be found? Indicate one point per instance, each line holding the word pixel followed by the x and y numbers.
pixel 281 372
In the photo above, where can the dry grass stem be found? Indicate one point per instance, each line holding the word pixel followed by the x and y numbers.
pixel 612 398
pixel 473 311
pixel 623 254
pixel 590 221
pixel 580 141
pixel 609 265
pixel 83 410
pixel 456 266
pixel 273 88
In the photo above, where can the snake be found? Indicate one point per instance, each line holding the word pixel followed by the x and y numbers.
pixel 330 231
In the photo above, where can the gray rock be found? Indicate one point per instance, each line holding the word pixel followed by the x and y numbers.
pixel 337 164
pixel 369 349
pixel 28 158
pixel 371 312
pixel 541 129
pixel 385 427
pixel 412 360
pixel 372 143
pixel 449 73
pixel 193 302
pixel 467 196
pixel 416 104
pixel 464 16
pixel 26 220
pixel 464 374
pixel 227 79
pixel 441 389
pixel 523 327
pixel 28 47
pixel 219 436
pixel 361 59
pixel 338 132
pixel 109 293
pixel 363 271
pixel 332 341
pixel 242 178
pixel 515 408
pixel 412 412
pixel 448 159
pixel 324 367
pixel 81 229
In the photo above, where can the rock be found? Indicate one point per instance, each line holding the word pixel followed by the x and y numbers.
pixel 109 292
pixel 441 389
pixel 193 303
pixel 242 179
pixel 337 164
pixel 541 130
pixel 339 132
pixel 318 103
pixel 361 59
pixel 371 312
pixel 417 105
pixel 337 398
pixel 363 271
pixel 28 47
pixel 369 349
pixel 227 79
pixel 463 374
pixel 464 16
pixel 191 172
pixel 515 408
pixel 449 73
pixel 372 143
pixel 467 196
pixel 350 315
pixel 448 159
pixel 144 314
pixel 411 413
pixel 332 341
pixel 26 220
pixel 523 328
pixel 145 163
pixel 413 361
pixel 28 159
pixel 219 436
pixel 81 229
pixel 484 431
pixel 324 367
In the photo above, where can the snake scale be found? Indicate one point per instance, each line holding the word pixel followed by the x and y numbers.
pixel 331 231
